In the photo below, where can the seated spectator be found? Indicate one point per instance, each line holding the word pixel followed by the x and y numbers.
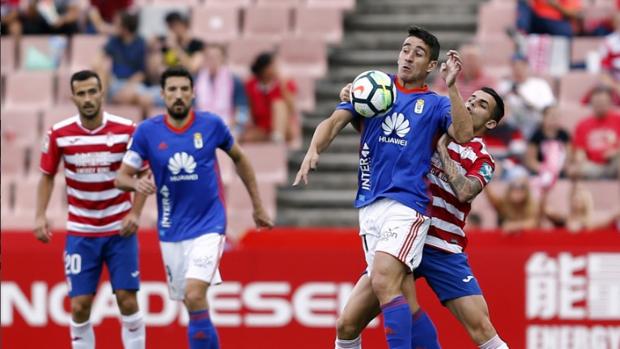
pixel 272 103
pixel 9 17
pixel 219 91
pixel 581 215
pixel 101 14
pixel 548 147
pixel 177 48
pixel 597 140
pixel 126 81
pixel 610 63
pixel 472 77
pixel 50 17
pixel 517 209
pixel 525 95
pixel 553 17
pixel 507 146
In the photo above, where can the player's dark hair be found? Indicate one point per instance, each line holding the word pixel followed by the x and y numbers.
pixel 84 75
pixel 429 39
pixel 176 17
pixel 261 62
pixel 498 112
pixel 174 72
pixel 130 22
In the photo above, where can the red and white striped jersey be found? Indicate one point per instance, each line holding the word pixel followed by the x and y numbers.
pixel 91 159
pixel 448 214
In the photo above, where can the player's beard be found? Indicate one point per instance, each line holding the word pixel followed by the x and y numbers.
pixel 178 114
pixel 92 114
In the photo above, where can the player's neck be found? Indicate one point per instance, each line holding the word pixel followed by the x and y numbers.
pixel 179 123
pixel 414 84
pixel 92 124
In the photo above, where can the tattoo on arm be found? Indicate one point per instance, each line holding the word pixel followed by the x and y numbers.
pixel 465 188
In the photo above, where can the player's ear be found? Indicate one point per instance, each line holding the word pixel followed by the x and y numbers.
pixel 431 66
pixel 491 124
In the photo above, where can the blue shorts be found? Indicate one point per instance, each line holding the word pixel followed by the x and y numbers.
pixel 448 274
pixel 84 258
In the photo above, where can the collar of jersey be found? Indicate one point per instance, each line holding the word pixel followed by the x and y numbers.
pixel 175 129
pixel 104 119
pixel 402 89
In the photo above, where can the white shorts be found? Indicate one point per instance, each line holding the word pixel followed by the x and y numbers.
pixel 198 258
pixel 391 227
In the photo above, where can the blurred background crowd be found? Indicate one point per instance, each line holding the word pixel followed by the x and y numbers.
pixel 272 69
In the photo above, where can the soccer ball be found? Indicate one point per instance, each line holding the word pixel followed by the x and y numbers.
pixel 373 93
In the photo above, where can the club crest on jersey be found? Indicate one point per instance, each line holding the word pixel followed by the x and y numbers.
pixel 198 140
pixel 419 106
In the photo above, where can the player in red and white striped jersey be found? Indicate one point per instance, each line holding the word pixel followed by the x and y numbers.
pixel 101 220
pixel 458 174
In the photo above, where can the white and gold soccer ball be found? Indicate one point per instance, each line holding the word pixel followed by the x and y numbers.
pixel 373 93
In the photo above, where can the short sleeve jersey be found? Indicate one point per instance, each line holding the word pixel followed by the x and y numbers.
pixel 396 149
pixel 190 198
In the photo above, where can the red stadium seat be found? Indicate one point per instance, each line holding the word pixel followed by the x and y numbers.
pixel 216 23
pixel 239 206
pixel 233 3
pixel 571 114
pixel 303 57
pixel 15 158
pixel 29 90
pixel 44 44
pixel 242 52
pixel 494 17
pixel 84 50
pixel 25 203
pixel 305 93
pixel 268 22
pixel 288 3
pixel 226 167
pixel 606 193
pixel 575 85
pixel 56 114
pixel 21 126
pixel 177 2
pixel 7 54
pixel 338 4
pixel 126 111
pixel 496 50
pixel 268 160
pixel 581 47
pixel 318 23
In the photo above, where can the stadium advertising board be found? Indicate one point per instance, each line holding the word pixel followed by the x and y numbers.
pixel 545 290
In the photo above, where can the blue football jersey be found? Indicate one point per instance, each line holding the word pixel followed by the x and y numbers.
pixel 396 149
pixel 184 165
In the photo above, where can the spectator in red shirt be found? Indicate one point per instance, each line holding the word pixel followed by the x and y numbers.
pixel 597 140
pixel 472 77
pixel 272 103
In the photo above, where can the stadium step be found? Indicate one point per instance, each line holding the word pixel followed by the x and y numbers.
pixel 318 217
pixel 392 40
pixel 401 21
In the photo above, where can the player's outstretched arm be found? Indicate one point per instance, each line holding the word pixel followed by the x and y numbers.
pixel 246 173
pixel 44 192
pixel 462 128
pixel 465 188
pixel 324 134
pixel 126 180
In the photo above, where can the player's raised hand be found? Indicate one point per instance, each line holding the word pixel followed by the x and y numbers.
pixel 42 229
pixel 129 225
pixel 310 161
pixel 345 93
pixel 451 68
pixel 261 218
pixel 145 184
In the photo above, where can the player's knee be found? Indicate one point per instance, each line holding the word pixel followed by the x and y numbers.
pixel 195 299
pixel 80 309
pixel 346 329
pixel 382 285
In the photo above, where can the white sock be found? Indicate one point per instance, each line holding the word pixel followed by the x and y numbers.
pixel 82 335
pixel 133 332
pixel 494 343
pixel 349 343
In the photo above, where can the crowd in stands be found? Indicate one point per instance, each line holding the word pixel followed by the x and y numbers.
pixel 562 130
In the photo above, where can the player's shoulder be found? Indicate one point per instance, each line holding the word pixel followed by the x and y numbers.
pixel 208 117
pixel 151 123
pixel 118 120
pixel 479 147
